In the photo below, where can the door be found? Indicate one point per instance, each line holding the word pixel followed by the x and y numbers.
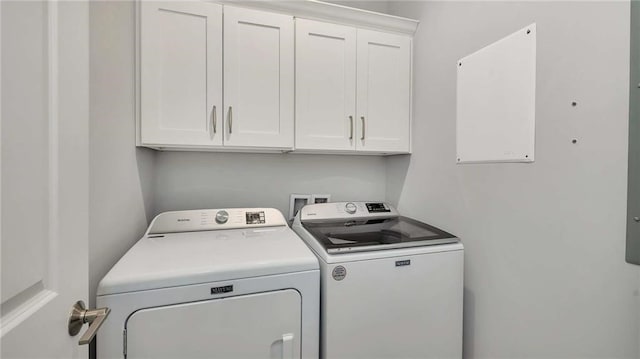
pixel 265 325
pixel 44 175
pixel 258 83
pixel 325 86
pixel 384 92
pixel 181 73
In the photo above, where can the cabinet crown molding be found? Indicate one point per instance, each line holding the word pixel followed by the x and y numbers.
pixel 320 10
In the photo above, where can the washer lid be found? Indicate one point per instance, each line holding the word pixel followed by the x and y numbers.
pixel 177 259
pixel 359 235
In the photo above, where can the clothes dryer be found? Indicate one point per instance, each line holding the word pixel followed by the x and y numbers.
pixel 229 283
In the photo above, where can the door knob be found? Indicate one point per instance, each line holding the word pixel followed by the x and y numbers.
pixel 80 315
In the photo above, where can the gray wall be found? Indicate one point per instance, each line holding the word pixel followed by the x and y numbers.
pixel 121 176
pixel 188 180
pixel 545 274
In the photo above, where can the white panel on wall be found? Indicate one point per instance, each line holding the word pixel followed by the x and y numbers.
pixel 496 101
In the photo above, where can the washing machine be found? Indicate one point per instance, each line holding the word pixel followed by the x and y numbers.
pixel 228 283
pixel 391 286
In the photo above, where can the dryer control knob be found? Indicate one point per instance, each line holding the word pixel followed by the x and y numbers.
pixel 222 217
pixel 350 208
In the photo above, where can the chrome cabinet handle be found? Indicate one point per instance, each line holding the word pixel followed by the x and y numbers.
pixel 230 119
pixel 362 118
pixel 214 120
pixel 351 127
pixel 80 315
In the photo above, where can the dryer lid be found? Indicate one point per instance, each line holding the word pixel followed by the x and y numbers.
pixel 176 259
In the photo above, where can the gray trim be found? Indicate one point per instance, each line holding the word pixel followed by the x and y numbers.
pixel 633 194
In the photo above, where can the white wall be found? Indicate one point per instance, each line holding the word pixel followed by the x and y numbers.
pixel 189 180
pixel 121 176
pixel 371 5
pixel 545 273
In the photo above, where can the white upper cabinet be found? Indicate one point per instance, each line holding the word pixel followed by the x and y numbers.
pixel 180 74
pixel 335 65
pixel 325 86
pixel 384 92
pixel 259 78
pixel 228 78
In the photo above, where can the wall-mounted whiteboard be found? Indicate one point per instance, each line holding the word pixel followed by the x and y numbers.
pixel 496 99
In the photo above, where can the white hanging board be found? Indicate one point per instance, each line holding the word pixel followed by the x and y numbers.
pixel 496 99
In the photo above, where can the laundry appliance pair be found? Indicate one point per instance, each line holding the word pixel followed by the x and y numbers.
pixel 364 282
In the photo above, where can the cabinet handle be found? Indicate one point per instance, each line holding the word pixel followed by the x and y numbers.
pixel 230 119
pixel 351 127
pixel 214 119
pixel 362 118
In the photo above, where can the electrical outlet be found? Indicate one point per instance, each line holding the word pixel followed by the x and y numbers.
pixel 320 198
pixel 296 202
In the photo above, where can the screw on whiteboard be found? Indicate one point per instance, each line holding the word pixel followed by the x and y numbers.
pixel 574 104
pixel 459 63
pixel 458 160
pixel 528 31
pixel 574 141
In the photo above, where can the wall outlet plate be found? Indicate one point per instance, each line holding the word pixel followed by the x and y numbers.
pixel 296 202
pixel 320 198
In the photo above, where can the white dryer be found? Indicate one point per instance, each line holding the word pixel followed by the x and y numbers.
pixel 391 286
pixel 234 283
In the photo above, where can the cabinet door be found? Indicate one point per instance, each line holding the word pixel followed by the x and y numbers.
pixel 258 84
pixel 325 86
pixel 180 73
pixel 384 92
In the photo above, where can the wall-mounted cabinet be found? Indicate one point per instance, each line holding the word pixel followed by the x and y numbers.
pixel 181 77
pixel 384 92
pixel 258 78
pixel 353 89
pixel 325 86
pixel 180 74
pixel 342 88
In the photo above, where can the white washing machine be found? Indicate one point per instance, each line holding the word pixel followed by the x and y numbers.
pixel 391 286
pixel 234 283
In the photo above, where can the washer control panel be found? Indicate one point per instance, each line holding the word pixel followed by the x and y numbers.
pixel 215 219
pixel 341 210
